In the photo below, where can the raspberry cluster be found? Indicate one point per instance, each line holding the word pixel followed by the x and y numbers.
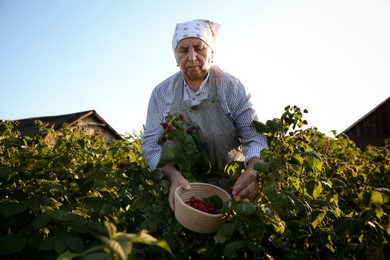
pixel 202 205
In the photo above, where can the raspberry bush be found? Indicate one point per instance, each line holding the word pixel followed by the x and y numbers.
pixel 320 198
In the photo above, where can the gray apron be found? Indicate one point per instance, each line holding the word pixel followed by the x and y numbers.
pixel 217 132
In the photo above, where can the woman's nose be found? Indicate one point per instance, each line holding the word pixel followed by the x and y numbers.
pixel 192 55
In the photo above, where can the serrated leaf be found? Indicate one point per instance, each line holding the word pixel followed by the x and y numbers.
pixel 296 159
pixel 376 197
pixel 62 215
pixel 263 167
pixel 164 245
pixel 10 244
pixel 313 188
pixel 337 182
pixel 274 126
pixel 203 162
pixel 126 242
pixel 47 244
pixel 379 212
pixel 313 160
pixel 316 217
pixel 110 228
pixel 115 247
pixel 231 248
pixel 96 256
pixel 40 220
pixel 59 246
pixel 67 255
pixel 167 156
pixel 225 232
pixel 245 208
pixel 75 243
pixel 349 227
pixel 10 209
pixel 260 127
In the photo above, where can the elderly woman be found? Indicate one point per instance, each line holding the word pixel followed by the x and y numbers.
pixel 215 102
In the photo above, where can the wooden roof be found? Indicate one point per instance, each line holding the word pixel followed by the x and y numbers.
pixel 88 118
pixel 373 128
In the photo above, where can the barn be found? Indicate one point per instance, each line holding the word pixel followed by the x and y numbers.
pixel 373 128
pixel 89 119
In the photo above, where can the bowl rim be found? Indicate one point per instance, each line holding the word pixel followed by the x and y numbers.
pixel 218 215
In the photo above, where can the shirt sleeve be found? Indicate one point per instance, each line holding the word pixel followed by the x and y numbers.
pixel 151 150
pixel 243 113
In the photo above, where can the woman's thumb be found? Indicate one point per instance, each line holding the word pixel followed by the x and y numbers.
pixel 185 185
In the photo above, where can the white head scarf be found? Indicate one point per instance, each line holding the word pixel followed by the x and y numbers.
pixel 203 29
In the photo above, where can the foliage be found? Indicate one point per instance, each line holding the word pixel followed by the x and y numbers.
pixel 181 147
pixel 320 198
pixel 119 245
pixel 57 197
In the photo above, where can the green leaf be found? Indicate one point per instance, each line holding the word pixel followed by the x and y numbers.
pixel 13 208
pixel 145 238
pixel 296 159
pixel 260 127
pixel 115 247
pixel 62 215
pixel 313 188
pixel 365 197
pixel 313 160
pixel 234 168
pixel 164 245
pixel 274 126
pixel 245 208
pixel 97 256
pixel 10 244
pixel 225 232
pixel 154 221
pixel 316 217
pixel 376 197
pixel 40 220
pixel 203 162
pixel 167 156
pixel 263 167
pixel 126 242
pixel 379 212
pixel 110 229
pixel 33 204
pixel 337 182
pixel 75 243
pixel 47 244
pixel 231 248
pixel 69 256
pixel 349 227
pixel 59 246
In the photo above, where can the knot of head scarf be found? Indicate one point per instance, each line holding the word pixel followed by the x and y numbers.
pixel 203 29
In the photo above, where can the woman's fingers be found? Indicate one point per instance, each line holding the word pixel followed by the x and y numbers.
pixel 171 197
pixel 246 185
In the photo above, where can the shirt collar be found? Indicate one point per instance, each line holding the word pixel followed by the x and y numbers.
pixel 204 82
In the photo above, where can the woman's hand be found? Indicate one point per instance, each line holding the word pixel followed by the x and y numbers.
pixel 176 179
pixel 247 185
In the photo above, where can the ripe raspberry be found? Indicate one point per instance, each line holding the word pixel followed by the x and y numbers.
pixel 181 116
pixel 169 127
pixel 201 205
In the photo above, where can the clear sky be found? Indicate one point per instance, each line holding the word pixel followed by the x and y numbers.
pixel 65 56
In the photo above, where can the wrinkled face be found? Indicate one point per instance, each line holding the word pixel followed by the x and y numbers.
pixel 194 58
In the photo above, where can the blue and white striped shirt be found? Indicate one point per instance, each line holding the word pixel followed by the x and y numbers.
pixel 233 98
